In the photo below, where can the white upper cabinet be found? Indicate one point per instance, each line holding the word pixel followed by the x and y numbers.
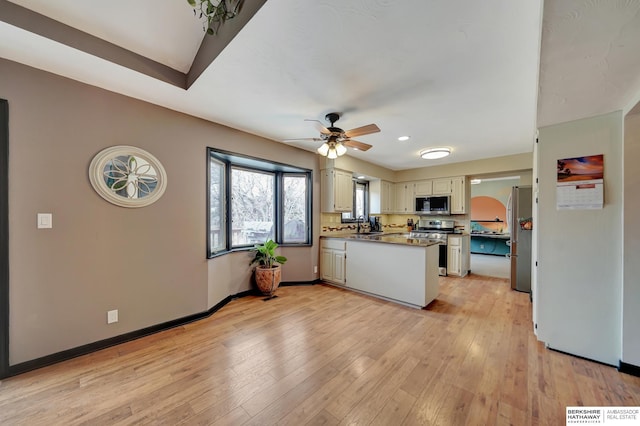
pixel 386 197
pixel 381 197
pixel 442 186
pixel 458 195
pixel 423 187
pixel 337 191
pixel 405 198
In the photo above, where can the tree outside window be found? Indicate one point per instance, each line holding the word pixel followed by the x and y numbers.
pixel 252 207
pixel 295 209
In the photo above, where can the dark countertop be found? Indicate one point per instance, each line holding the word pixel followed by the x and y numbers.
pixel 399 238
pixel 490 235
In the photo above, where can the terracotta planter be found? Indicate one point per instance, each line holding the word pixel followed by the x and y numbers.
pixel 268 279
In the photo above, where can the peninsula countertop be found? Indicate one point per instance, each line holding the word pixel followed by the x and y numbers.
pixel 401 238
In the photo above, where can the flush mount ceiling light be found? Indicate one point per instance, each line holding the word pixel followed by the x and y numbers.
pixel 435 153
pixel 404 138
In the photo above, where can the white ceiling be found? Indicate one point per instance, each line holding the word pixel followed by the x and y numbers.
pixel 462 74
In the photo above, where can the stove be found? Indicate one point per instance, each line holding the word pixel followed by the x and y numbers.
pixel 436 230
pixel 433 229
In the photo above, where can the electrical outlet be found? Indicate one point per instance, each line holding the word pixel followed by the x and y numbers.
pixel 315 269
pixel 112 316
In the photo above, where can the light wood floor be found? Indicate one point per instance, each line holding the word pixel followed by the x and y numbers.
pixel 321 355
pixel 490 265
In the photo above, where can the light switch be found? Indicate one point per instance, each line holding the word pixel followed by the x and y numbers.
pixel 112 316
pixel 45 220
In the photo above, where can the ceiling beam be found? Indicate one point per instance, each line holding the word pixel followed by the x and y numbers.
pixel 36 23
pixel 212 46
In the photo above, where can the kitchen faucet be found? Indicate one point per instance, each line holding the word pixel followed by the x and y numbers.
pixel 358 223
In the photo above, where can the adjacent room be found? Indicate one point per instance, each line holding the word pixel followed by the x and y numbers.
pixel 253 212
pixel 491 225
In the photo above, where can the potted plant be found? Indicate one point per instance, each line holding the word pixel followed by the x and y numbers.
pixel 267 272
pixel 215 12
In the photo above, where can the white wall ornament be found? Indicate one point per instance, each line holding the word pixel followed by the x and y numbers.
pixel 127 176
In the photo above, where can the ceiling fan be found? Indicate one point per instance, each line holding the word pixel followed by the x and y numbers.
pixel 335 140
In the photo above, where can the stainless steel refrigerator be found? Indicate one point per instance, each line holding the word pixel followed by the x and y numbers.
pixel 519 210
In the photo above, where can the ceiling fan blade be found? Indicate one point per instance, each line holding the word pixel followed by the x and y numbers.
pixel 360 146
pixel 361 131
pixel 303 139
pixel 320 126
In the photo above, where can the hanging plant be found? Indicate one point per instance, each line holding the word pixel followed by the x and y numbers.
pixel 214 12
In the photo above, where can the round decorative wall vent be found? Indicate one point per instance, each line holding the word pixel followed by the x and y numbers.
pixel 127 176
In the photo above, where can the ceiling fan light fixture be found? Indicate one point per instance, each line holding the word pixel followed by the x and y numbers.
pixel 435 153
pixel 324 149
pixel 332 155
pixel 340 149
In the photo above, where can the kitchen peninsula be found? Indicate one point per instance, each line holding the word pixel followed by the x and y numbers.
pixel 391 266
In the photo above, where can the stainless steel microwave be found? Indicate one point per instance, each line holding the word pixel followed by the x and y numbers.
pixel 433 205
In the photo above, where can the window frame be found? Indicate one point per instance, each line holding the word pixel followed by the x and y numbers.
pixel 232 160
pixel 367 200
pixel 280 207
pixel 225 192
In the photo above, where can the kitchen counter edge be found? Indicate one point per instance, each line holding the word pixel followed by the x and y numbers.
pixel 399 239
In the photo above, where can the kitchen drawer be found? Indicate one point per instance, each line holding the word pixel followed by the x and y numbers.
pixel 454 240
pixel 334 244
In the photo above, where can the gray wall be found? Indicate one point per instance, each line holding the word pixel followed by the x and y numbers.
pixel 149 263
pixel 579 277
pixel 631 302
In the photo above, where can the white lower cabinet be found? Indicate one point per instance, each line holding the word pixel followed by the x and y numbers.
pixel 333 261
pixel 458 256
pixel 402 273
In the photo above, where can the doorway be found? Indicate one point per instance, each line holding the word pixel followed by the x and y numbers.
pixel 488 223
pixel 4 238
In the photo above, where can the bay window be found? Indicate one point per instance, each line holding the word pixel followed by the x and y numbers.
pixel 252 200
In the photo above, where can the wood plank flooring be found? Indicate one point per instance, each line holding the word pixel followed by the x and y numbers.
pixel 319 355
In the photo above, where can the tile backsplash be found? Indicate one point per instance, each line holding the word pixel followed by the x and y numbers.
pixel 331 223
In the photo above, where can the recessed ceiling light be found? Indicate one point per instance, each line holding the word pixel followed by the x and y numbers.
pixel 404 138
pixel 360 177
pixel 435 153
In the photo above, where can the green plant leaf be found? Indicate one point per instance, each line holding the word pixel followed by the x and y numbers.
pixel 265 254
pixel 192 3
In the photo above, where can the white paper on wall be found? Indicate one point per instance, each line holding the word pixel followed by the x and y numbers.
pixel 583 195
